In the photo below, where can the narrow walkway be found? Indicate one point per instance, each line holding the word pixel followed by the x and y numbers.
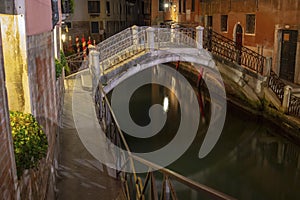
pixel 80 175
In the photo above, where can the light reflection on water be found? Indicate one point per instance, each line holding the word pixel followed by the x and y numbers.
pixel 250 160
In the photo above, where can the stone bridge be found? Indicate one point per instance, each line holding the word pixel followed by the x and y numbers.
pixel 138 48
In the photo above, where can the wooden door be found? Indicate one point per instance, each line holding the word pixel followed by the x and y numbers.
pixel 288 54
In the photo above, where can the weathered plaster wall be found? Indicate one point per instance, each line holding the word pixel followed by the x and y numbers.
pixel 7 159
pixel 38 16
pixel 42 79
pixel 15 61
pixel 43 91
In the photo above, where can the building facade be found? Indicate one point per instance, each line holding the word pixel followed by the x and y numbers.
pixel 268 27
pixel 29 44
pixel 99 19
pixel 271 28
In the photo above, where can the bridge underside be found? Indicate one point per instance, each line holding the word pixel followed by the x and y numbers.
pixel 115 75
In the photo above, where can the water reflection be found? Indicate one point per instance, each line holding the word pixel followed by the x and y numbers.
pixel 250 160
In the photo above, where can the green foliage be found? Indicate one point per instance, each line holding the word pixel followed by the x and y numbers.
pixel 58 68
pixel 60 64
pixel 72 5
pixel 30 142
pixel 63 61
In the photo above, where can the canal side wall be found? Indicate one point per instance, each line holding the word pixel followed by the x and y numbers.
pixel 251 94
pixel 250 84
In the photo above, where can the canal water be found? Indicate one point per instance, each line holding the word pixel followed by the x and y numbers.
pixel 250 161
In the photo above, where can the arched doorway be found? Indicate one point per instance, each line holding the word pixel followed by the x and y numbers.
pixel 238 42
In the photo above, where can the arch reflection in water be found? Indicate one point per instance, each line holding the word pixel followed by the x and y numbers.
pixel 250 161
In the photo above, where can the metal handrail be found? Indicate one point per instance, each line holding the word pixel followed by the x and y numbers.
pixel 233 52
pixel 136 188
pixel 122 44
pixel 276 85
pixel 294 105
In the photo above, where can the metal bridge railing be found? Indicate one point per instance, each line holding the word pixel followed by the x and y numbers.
pixel 276 85
pixel 292 95
pixel 294 103
pixel 75 62
pixel 134 40
pixel 134 186
pixel 233 52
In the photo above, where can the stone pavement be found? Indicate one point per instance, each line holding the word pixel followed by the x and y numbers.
pixel 80 174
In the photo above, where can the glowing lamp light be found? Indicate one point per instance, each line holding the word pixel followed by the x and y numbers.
pixel 63 37
pixel 166 5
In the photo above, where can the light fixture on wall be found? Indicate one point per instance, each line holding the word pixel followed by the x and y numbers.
pixel 63 37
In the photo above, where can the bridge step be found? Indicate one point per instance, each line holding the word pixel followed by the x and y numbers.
pixel 86 82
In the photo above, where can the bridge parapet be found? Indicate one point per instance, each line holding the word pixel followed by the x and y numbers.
pixel 137 44
pixel 136 39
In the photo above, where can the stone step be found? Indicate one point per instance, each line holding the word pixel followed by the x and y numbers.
pixel 86 82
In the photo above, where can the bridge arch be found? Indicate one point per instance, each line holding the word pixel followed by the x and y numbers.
pixel 152 61
pixel 160 46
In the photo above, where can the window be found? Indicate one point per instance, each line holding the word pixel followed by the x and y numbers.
pixel 161 5
pixel 93 6
pixel 209 22
pixel 184 6
pixel 193 6
pixel 224 19
pixel 94 27
pixel 108 8
pixel 179 6
pixel 65 6
pixel 250 23
pixel 55 14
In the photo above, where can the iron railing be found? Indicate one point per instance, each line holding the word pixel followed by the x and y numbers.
pixel 134 186
pixel 232 51
pixel 75 62
pixel 133 40
pixel 294 104
pixel 276 85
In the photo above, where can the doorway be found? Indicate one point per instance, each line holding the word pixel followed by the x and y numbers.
pixel 288 54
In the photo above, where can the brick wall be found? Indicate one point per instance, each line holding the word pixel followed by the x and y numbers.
pixel 7 160
pixel 43 90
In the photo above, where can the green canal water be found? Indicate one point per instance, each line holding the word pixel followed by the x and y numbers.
pixel 251 160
